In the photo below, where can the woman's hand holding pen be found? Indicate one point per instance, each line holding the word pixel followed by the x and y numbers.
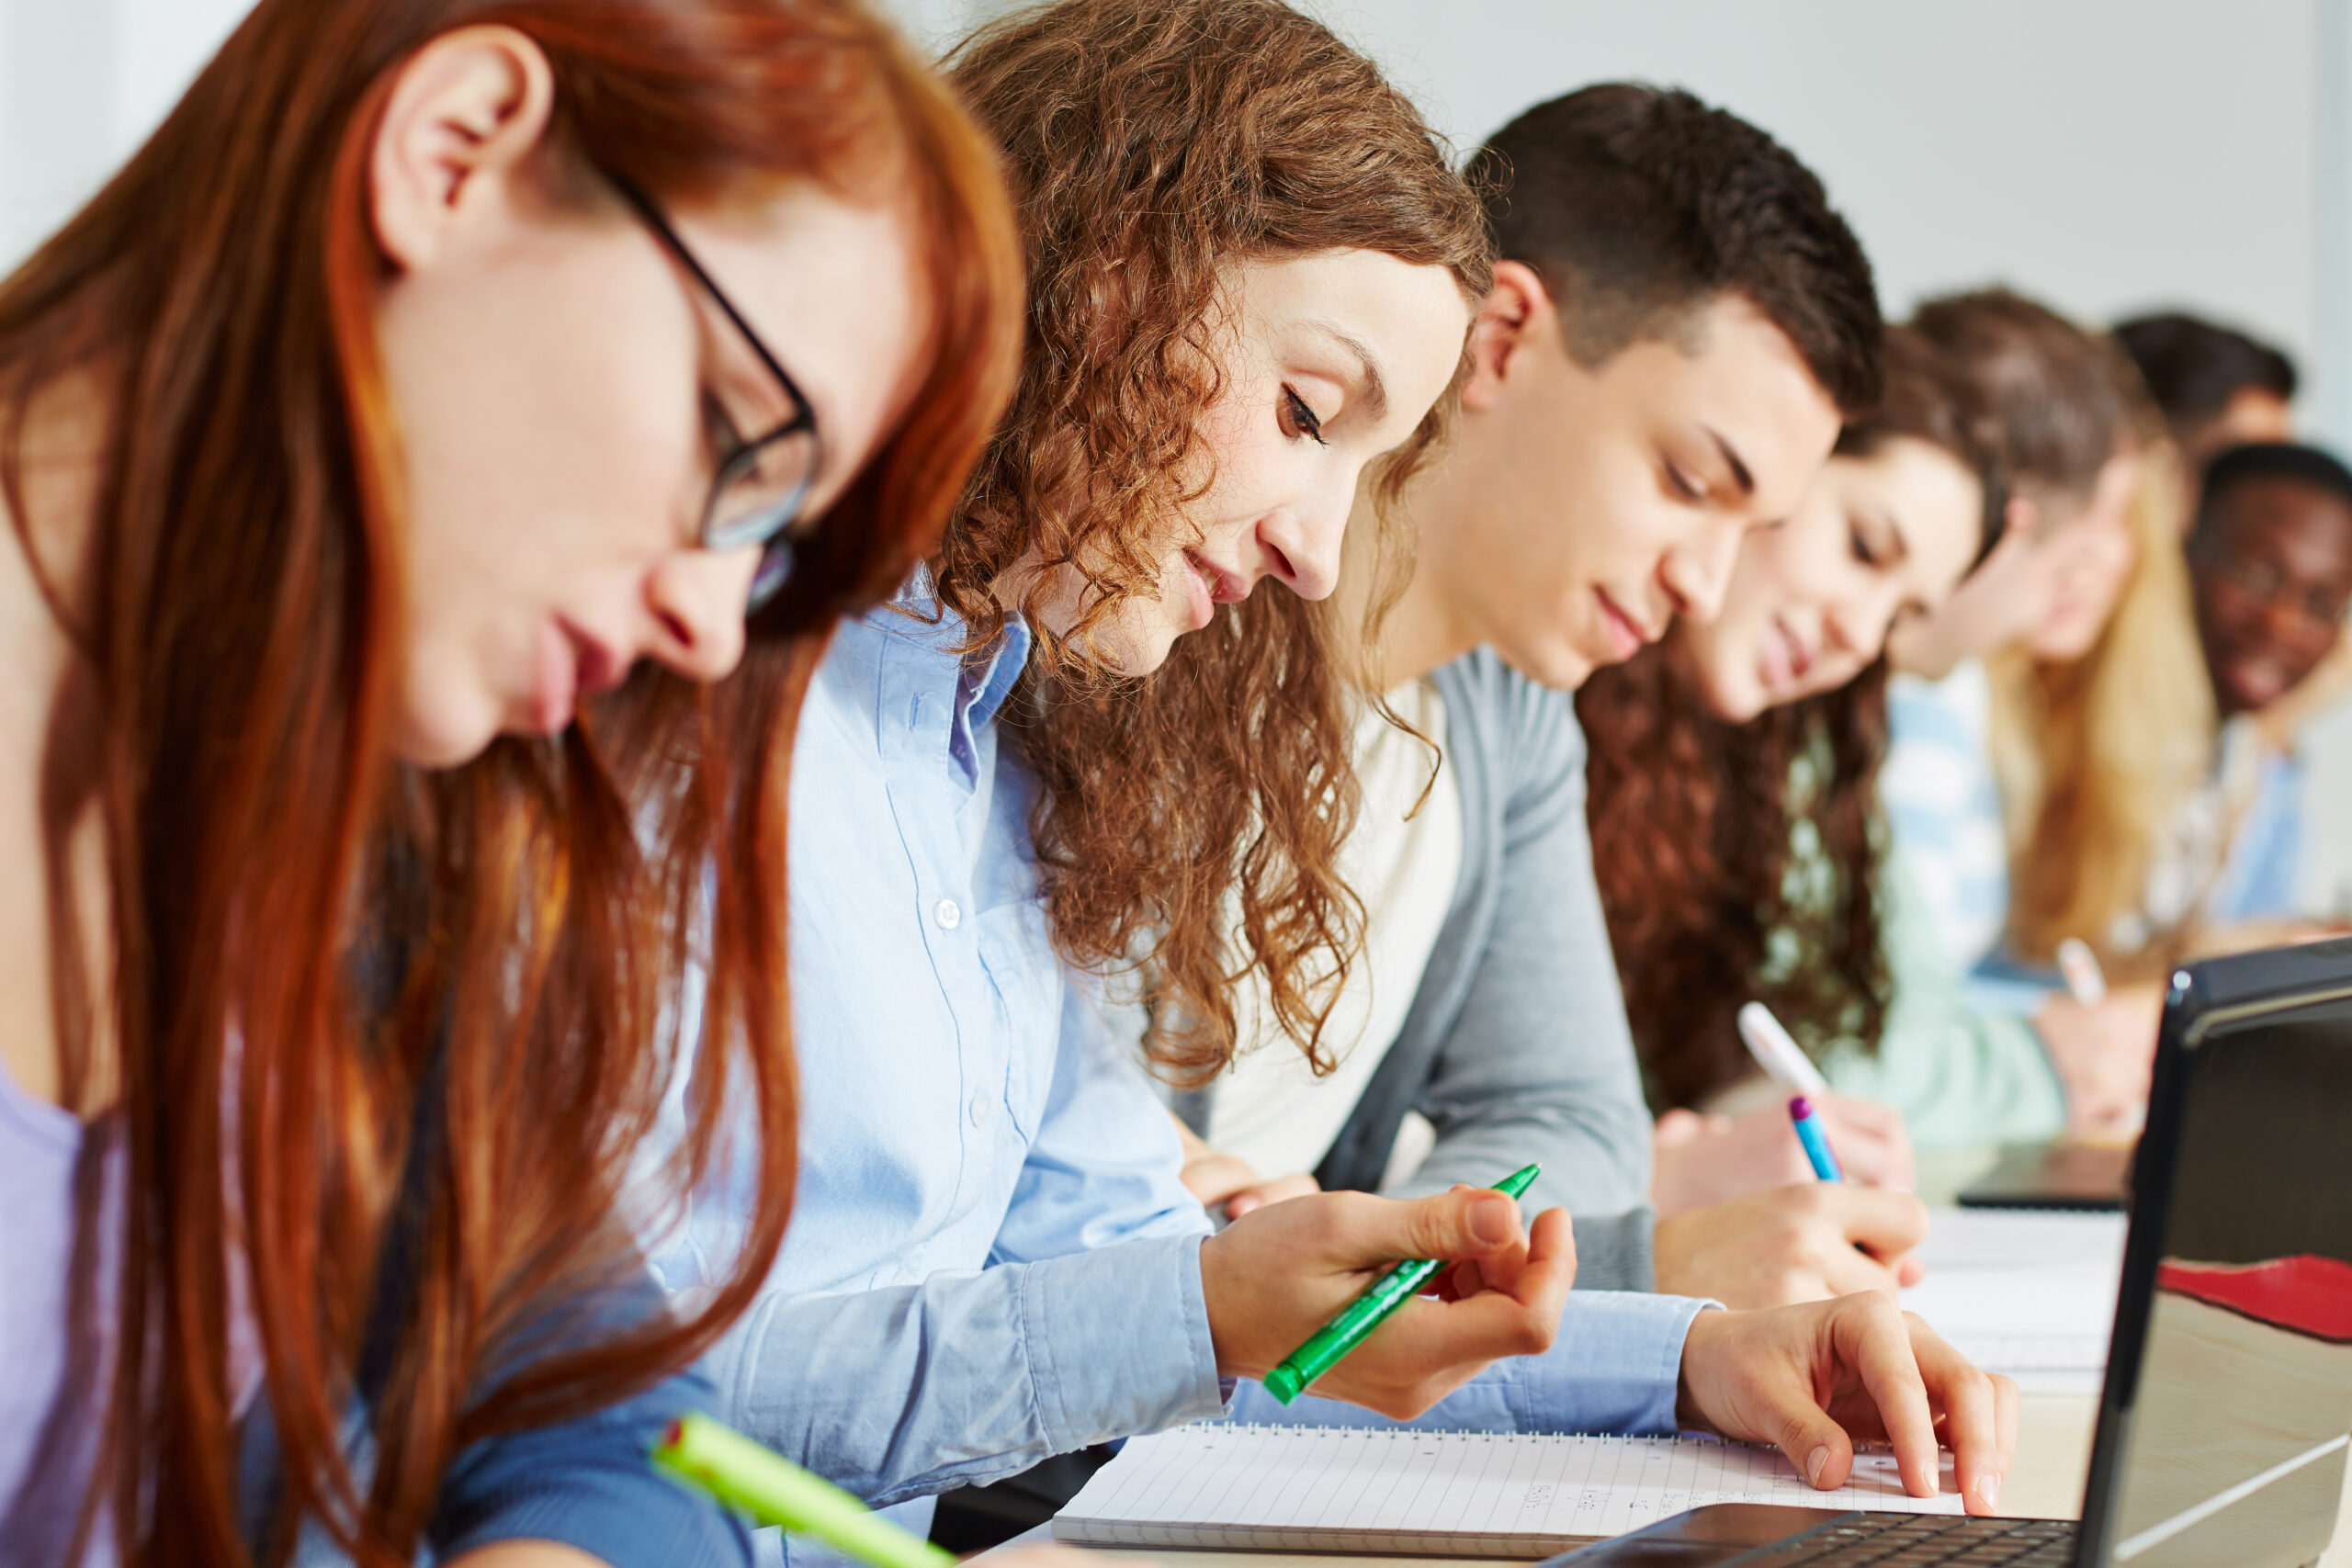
pixel 1277 1275
pixel 1801 1243
pixel 1760 1376
pixel 2103 1053
pixel 1712 1159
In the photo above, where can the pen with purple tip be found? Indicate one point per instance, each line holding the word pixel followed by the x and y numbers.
pixel 1815 1141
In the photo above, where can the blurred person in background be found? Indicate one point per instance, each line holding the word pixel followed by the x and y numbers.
pixel 2085 585
pixel 2215 386
pixel 2270 567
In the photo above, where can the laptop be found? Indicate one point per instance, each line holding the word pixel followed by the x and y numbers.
pixel 2227 1411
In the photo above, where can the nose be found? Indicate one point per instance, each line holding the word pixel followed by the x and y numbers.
pixel 1697 574
pixel 1859 626
pixel 695 601
pixel 2284 620
pixel 1302 542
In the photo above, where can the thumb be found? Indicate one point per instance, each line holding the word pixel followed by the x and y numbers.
pixel 1816 1445
pixel 1468 1222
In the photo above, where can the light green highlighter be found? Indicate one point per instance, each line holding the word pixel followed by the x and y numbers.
pixel 1367 1311
pixel 741 1474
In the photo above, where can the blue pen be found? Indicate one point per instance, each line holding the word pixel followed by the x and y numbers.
pixel 1815 1141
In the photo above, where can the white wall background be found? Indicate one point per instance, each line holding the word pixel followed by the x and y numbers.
pixel 2106 155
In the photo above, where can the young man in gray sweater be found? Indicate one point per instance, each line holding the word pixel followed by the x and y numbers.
pixel 1679 325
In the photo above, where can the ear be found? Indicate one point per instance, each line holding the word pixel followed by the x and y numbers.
pixel 1514 311
pixel 462 121
pixel 2020 520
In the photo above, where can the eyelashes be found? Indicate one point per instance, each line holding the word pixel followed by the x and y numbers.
pixel 1303 418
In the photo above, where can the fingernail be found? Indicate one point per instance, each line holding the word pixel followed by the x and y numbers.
pixel 1988 1489
pixel 1493 1221
pixel 1815 1463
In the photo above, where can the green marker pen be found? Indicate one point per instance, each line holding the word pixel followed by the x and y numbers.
pixel 741 1474
pixel 1367 1311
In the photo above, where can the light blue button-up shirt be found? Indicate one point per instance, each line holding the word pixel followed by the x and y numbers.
pixel 992 1258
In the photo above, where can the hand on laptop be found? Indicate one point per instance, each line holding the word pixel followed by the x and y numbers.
pixel 1275 1276
pixel 1758 1375
pixel 1708 1159
pixel 1222 1180
pixel 1794 1244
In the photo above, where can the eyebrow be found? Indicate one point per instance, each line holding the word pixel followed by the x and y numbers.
pixel 1375 387
pixel 1740 477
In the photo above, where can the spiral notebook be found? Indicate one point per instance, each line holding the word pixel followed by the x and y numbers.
pixel 1391 1490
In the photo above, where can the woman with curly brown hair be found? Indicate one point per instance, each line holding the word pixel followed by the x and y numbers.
pixel 1251 274
pixel 994 1258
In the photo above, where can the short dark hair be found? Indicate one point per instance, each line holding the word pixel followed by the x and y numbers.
pixel 2063 399
pixel 2193 366
pixel 2312 465
pixel 1639 205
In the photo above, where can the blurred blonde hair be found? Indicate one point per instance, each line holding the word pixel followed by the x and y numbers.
pixel 2096 757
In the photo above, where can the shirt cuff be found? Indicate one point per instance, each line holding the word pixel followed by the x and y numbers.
pixel 1118 1340
pixel 1616 1366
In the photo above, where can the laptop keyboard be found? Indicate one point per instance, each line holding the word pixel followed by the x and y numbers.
pixel 1914 1540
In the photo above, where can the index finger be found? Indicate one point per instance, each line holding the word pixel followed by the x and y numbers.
pixel 1874 1338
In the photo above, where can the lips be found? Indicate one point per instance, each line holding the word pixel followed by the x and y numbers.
pixel 569 664
pixel 555 679
pixel 1784 658
pixel 1225 587
pixel 2256 682
pixel 601 668
pixel 1626 635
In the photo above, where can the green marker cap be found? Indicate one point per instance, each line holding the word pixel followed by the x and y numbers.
pixel 1356 1321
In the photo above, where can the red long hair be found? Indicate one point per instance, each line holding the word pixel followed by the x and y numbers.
pixel 430 998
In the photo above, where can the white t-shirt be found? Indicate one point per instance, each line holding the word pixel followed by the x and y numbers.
pixel 1404 863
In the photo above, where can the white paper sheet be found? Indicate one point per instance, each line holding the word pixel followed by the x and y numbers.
pixel 2028 1293
pixel 1436 1494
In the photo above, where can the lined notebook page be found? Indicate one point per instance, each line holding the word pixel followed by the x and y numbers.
pixel 2028 1293
pixel 1435 1493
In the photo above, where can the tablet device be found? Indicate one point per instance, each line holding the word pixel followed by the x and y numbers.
pixel 2054 1175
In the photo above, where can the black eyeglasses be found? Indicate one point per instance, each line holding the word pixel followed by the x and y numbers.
pixel 761 483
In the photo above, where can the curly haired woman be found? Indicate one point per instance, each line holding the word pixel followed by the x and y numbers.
pixel 994 1258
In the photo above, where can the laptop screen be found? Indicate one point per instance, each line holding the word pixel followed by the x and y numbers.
pixel 2229 1444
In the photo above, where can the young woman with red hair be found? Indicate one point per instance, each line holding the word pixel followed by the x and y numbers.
pixel 431 469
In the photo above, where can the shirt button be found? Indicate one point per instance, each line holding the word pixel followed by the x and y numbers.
pixel 978 1111
pixel 948 916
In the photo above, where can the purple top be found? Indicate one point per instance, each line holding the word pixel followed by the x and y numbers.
pixel 586 1483
pixel 44 1443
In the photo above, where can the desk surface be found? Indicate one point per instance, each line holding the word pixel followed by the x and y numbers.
pixel 2045 1482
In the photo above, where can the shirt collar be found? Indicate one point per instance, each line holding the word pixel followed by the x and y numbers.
pixel 983 678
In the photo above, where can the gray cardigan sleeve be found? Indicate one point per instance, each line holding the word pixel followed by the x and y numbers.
pixel 1538 1062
